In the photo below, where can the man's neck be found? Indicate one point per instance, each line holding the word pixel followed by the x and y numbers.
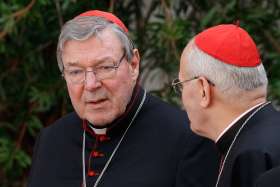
pixel 235 120
pixel 227 116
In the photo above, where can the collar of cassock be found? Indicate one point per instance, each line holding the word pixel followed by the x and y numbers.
pixel 224 142
pixel 119 125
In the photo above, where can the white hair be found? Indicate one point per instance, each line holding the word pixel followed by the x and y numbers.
pixel 229 79
pixel 84 27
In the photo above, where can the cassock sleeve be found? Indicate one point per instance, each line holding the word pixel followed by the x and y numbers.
pixel 199 166
pixel 248 166
pixel 270 178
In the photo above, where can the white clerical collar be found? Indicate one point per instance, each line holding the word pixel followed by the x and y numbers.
pixel 98 131
pixel 236 119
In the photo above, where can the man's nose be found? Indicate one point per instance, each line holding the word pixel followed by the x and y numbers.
pixel 91 81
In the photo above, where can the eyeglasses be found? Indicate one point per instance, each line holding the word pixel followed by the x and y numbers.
pixel 77 75
pixel 178 85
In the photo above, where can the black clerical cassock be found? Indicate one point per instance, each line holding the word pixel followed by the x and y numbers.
pixel 250 147
pixel 158 150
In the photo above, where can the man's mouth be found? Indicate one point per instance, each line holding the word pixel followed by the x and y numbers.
pixel 96 102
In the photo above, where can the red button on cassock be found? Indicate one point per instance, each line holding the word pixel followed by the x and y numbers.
pixel 97 154
pixel 92 173
pixel 103 138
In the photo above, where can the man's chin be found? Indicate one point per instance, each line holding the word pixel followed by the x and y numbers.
pixel 194 127
pixel 100 121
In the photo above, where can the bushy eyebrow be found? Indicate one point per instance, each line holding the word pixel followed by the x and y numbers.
pixel 98 62
pixel 74 63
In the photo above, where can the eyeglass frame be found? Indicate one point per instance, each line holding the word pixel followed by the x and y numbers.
pixel 113 67
pixel 178 85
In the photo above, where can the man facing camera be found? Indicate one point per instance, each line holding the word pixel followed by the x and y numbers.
pixel 119 135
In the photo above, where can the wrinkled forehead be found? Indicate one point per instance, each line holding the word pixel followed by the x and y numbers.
pixel 93 50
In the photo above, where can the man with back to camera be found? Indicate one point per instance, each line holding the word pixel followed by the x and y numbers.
pixel 224 88
pixel 119 135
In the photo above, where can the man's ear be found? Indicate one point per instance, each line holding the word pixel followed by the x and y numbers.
pixel 134 64
pixel 204 92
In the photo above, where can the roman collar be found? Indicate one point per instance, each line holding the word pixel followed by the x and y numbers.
pixel 120 124
pixel 226 139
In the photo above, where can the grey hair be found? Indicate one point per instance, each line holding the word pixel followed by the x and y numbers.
pixel 228 78
pixel 84 27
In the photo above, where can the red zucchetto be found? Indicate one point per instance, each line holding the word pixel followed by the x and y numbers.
pixel 230 44
pixel 107 15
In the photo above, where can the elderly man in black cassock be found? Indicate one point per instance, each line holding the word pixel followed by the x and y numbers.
pixel 224 88
pixel 119 135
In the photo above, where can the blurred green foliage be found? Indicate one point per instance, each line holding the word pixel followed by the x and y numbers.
pixel 32 92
